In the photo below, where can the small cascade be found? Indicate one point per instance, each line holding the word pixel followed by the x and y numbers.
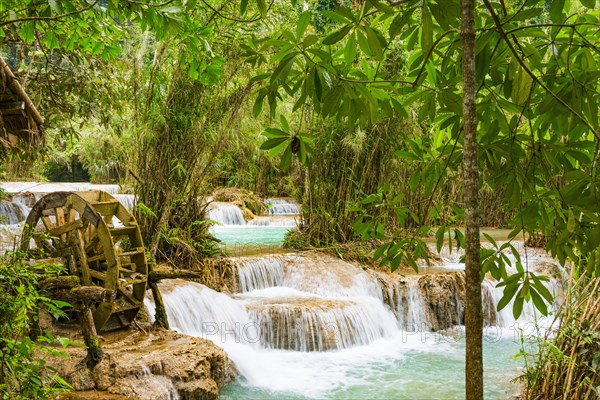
pixel 328 276
pixel 226 214
pixel 128 200
pixel 13 213
pixel 411 311
pixel 159 384
pixel 282 207
pixel 310 323
pixel 283 221
pixel 294 316
pixel 259 272
pixel 196 310
pixel 49 187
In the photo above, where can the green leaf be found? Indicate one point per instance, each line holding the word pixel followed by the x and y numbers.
pixel 426 30
pixel 262 7
pixel 286 158
pixel 374 43
pixel 439 238
pixel 556 9
pixel 518 304
pixel 243 6
pixel 589 3
pixel 274 133
pixel 271 143
pixel 51 41
pixel 26 31
pixel 337 35
pixel 350 50
pixel 538 302
pixel 303 22
pixel 507 296
pixel 521 87
pixel 258 104
pixel 398 23
pixel 284 123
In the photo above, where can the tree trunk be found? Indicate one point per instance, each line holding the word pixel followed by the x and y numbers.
pixel 90 338
pixel 473 313
pixel 160 314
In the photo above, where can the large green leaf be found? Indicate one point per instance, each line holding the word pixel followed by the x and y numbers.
pixel 426 29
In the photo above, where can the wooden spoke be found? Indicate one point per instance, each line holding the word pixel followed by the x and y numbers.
pixel 79 227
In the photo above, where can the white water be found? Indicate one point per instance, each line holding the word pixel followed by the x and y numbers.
pixel 158 384
pixel 282 207
pixel 25 194
pixel 311 326
pixel 13 213
pixel 283 221
pixel 226 214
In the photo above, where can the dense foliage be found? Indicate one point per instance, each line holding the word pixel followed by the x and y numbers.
pixel 361 102
pixel 23 370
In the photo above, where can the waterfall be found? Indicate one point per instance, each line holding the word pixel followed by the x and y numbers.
pixel 159 384
pixel 311 323
pixel 306 323
pixel 13 213
pixel 128 200
pixel 259 272
pixel 194 309
pixel 226 214
pixel 282 207
pixel 283 221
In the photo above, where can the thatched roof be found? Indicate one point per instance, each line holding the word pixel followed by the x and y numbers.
pixel 19 119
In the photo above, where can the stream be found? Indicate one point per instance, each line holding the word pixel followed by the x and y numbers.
pixel 310 326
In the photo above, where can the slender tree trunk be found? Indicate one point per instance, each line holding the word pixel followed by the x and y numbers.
pixel 474 314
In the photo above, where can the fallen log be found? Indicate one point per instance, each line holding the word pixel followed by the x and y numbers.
pixel 84 295
pixel 159 275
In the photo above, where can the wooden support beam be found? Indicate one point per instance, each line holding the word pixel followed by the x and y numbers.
pixel 63 227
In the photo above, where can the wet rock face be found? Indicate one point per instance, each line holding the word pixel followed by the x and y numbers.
pixel 166 365
pixel 443 294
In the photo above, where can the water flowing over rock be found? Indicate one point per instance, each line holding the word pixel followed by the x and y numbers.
pixel 284 221
pixel 291 314
pixel 197 310
pixel 316 324
pixel 259 272
pixel 226 214
pixel 13 213
pixel 282 207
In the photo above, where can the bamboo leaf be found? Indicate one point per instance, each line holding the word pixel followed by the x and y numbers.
pixel 336 36
pixel 426 30
pixel 556 9
pixel 303 22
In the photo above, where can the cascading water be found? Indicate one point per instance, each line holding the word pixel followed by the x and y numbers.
pixel 226 214
pixel 282 207
pixel 13 213
pixel 259 273
pixel 312 326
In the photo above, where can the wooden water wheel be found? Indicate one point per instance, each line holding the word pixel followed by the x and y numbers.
pixel 99 241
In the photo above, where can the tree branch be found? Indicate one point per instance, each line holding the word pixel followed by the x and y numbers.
pixel 531 74
pixel 218 12
pixel 55 18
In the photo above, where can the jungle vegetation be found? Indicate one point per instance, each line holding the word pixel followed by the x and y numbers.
pixel 387 120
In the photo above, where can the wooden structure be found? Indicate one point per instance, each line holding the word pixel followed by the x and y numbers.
pixel 102 245
pixel 19 119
